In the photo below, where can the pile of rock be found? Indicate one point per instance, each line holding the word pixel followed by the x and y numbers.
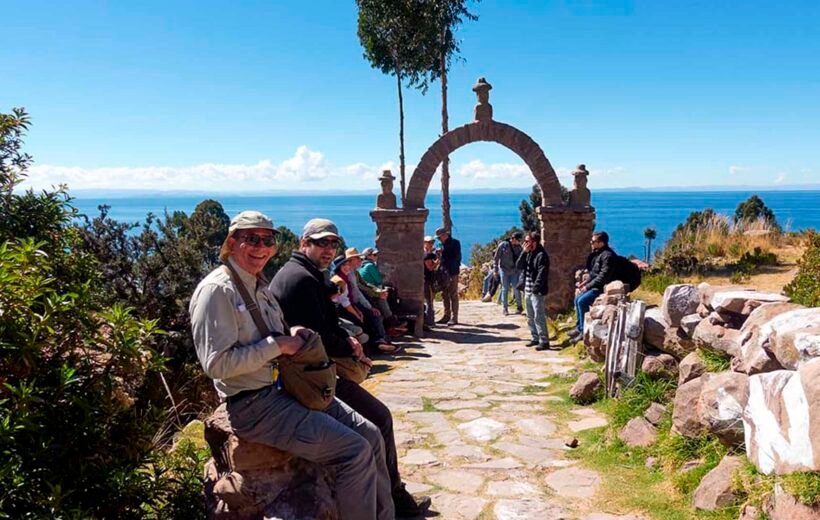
pixel 769 399
pixel 599 317
pixel 248 481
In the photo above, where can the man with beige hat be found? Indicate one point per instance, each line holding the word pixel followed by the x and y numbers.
pixel 235 354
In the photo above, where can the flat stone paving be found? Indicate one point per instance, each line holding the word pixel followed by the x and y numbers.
pixel 472 427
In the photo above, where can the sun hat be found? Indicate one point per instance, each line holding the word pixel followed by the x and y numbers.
pixel 351 252
pixel 367 251
pixel 251 220
pixel 319 228
pixel 442 231
pixel 429 238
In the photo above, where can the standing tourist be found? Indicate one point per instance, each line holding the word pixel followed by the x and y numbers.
pixel 534 264
pixel 451 263
pixel 302 289
pixel 504 262
pixel 239 358
pixel 601 272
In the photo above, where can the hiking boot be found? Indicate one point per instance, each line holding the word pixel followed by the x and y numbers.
pixel 408 507
pixel 532 343
pixel 543 346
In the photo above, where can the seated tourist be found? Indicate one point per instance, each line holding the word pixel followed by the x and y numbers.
pixel 235 354
pixel 371 277
pixel 301 288
pixel 600 272
pixel 353 325
pixel 343 267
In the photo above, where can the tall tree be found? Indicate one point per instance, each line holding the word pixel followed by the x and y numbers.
pixel 753 209
pixel 395 37
pixel 649 234
pixel 448 16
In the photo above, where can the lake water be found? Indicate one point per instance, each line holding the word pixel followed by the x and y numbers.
pixel 479 217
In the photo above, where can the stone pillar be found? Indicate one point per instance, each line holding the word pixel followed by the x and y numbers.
pixel 565 233
pixel 399 239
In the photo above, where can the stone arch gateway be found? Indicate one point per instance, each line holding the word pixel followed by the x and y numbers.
pixel 565 228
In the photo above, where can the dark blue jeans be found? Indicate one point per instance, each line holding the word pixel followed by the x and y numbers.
pixel 582 304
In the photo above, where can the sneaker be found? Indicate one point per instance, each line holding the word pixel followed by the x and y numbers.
pixel 532 343
pixel 543 346
pixel 452 322
pixel 487 298
pixel 574 335
pixel 408 507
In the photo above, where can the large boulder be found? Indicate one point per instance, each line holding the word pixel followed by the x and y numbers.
pixel 783 506
pixel 246 480
pixel 676 343
pixel 707 291
pixel 690 367
pixel 654 327
pixel 782 420
pixel 752 358
pixel 585 388
pixel 716 338
pixel 595 335
pixel 715 490
pixel 723 398
pixel 679 300
pixel 685 416
pixel 736 301
pixel 793 337
pixel 638 432
pixel 660 366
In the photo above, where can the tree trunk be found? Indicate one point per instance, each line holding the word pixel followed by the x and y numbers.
pixel 446 222
pixel 401 137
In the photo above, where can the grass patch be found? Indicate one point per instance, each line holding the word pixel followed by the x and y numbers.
pixel 804 486
pixel 428 405
pixel 657 282
pixel 634 400
pixel 533 389
pixel 713 361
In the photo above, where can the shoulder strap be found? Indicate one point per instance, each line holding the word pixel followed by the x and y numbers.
pixel 250 303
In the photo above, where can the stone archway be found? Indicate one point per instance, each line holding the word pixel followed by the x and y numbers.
pixel 493 131
pixel 565 228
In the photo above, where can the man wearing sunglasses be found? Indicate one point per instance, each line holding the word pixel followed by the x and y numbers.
pixel 232 352
pixel 599 266
pixel 304 291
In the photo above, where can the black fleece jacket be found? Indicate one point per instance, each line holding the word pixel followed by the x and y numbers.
pixel 535 264
pixel 304 295
pixel 601 270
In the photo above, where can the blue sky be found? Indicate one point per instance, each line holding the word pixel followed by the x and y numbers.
pixel 276 96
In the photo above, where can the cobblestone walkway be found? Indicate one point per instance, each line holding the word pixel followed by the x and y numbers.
pixel 472 428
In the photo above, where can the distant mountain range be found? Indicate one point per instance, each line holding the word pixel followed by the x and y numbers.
pixel 109 193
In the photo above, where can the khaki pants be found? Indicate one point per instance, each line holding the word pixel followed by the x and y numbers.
pixel 450 297
pixel 338 438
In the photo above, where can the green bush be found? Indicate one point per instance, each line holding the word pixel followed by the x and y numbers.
pixel 82 405
pixel 658 281
pixel 805 288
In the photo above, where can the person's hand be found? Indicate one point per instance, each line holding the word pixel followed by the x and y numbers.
pixel 290 345
pixel 582 288
pixel 366 360
pixel 358 315
pixel 358 351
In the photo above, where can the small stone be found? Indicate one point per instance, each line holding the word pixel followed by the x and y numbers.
pixel 716 489
pixel 689 465
pixel 587 423
pixel 482 429
pixel 786 507
pixel 585 388
pixel 690 367
pixel 419 457
pixel 651 462
pixel 685 417
pixel 638 432
pixel 660 366
pixel 689 322
pixel 574 482
pixel 573 443
pixel 654 414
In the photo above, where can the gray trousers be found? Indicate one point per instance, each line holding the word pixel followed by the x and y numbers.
pixel 450 297
pixel 537 318
pixel 338 438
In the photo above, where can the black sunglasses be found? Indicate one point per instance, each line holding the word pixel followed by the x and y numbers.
pixel 256 240
pixel 325 242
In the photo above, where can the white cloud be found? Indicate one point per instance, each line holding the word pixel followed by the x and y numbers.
pixel 735 169
pixel 605 172
pixel 781 176
pixel 476 169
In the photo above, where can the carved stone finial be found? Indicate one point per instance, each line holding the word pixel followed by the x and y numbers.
pixel 386 199
pixel 483 109
pixel 580 196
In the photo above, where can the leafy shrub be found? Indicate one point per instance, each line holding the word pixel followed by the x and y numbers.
pixel 735 249
pixel 658 281
pixel 715 250
pixel 754 209
pixel 805 288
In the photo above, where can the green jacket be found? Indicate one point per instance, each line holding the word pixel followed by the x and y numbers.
pixel 370 273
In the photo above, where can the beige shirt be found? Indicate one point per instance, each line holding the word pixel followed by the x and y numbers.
pixel 230 348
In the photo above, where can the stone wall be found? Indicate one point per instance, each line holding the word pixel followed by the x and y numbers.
pixel 565 233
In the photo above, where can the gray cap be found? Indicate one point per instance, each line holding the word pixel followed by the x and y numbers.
pixel 367 251
pixel 251 220
pixel 318 228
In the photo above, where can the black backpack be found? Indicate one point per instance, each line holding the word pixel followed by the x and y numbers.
pixel 627 272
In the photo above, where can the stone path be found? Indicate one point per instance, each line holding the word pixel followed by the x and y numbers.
pixel 472 428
